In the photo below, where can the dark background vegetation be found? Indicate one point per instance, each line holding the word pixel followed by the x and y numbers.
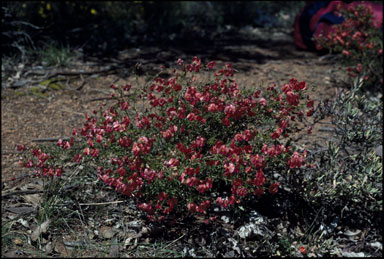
pixel 109 26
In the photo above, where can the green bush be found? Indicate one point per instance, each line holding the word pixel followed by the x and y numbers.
pixel 349 172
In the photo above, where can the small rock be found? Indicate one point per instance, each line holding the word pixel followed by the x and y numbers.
pixel 229 254
pixel 106 232
pixel 352 254
pixel 17 241
pixel 250 230
pixel 144 230
pixel 225 219
pixel 48 248
pixel 114 249
pixel 350 233
pixel 134 225
pixel 377 245
pixel 62 249
pixel 40 229
pixel 379 151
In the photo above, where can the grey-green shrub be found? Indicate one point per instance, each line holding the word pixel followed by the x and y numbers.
pixel 349 172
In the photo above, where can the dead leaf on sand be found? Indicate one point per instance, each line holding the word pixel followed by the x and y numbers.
pixel 40 229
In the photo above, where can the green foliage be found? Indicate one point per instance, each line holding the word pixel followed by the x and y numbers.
pixel 349 172
pixel 52 55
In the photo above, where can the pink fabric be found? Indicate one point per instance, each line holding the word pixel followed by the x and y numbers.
pixel 297 35
pixel 325 29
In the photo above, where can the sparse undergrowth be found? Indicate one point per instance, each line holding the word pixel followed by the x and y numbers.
pixel 312 199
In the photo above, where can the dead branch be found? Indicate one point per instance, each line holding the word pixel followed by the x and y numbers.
pixel 20 192
pixel 102 98
pixel 52 139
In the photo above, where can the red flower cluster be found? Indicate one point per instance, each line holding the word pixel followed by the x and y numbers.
pixel 191 138
pixel 360 41
pixel 41 162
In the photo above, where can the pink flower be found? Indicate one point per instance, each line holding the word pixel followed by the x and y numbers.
pixel 192 207
pixel 230 110
pixel 212 107
pixel 229 168
pixel 86 151
pixel 346 52
pixel 259 180
pixel 136 149
pixel 359 68
pixel 292 98
pixel 172 162
pixel 263 102
pixel 296 160
pixel 180 62
pixel 211 65
pixel 99 138
pixel 258 161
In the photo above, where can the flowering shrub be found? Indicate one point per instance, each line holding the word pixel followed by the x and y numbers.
pixel 360 43
pixel 186 143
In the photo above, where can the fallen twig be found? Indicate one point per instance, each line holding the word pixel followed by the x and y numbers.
pixel 102 98
pixel 52 139
pixel 100 203
pixel 48 139
pixel 174 241
pixel 20 192
pixel 108 98
pixel 82 84
pixel 78 73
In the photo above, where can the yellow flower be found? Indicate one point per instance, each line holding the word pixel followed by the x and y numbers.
pixel 41 12
pixel 93 11
pixel 48 6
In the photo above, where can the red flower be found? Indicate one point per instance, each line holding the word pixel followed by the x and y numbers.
pixel 99 138
pixel 226 122
pixel 262 102
pixel 21 147
pixel 359 68
pixel 211 64
pixel 292 98
pixel 258 161
pixel 180 62
pixel 346 52
pixel 310 103
pixel 212 107
pixel 303 250
pixel 229 168
pixel 296 160
pixel 273 188
pixel 259 179
pixel 258 192
pixel 86 151
pixel 229 110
